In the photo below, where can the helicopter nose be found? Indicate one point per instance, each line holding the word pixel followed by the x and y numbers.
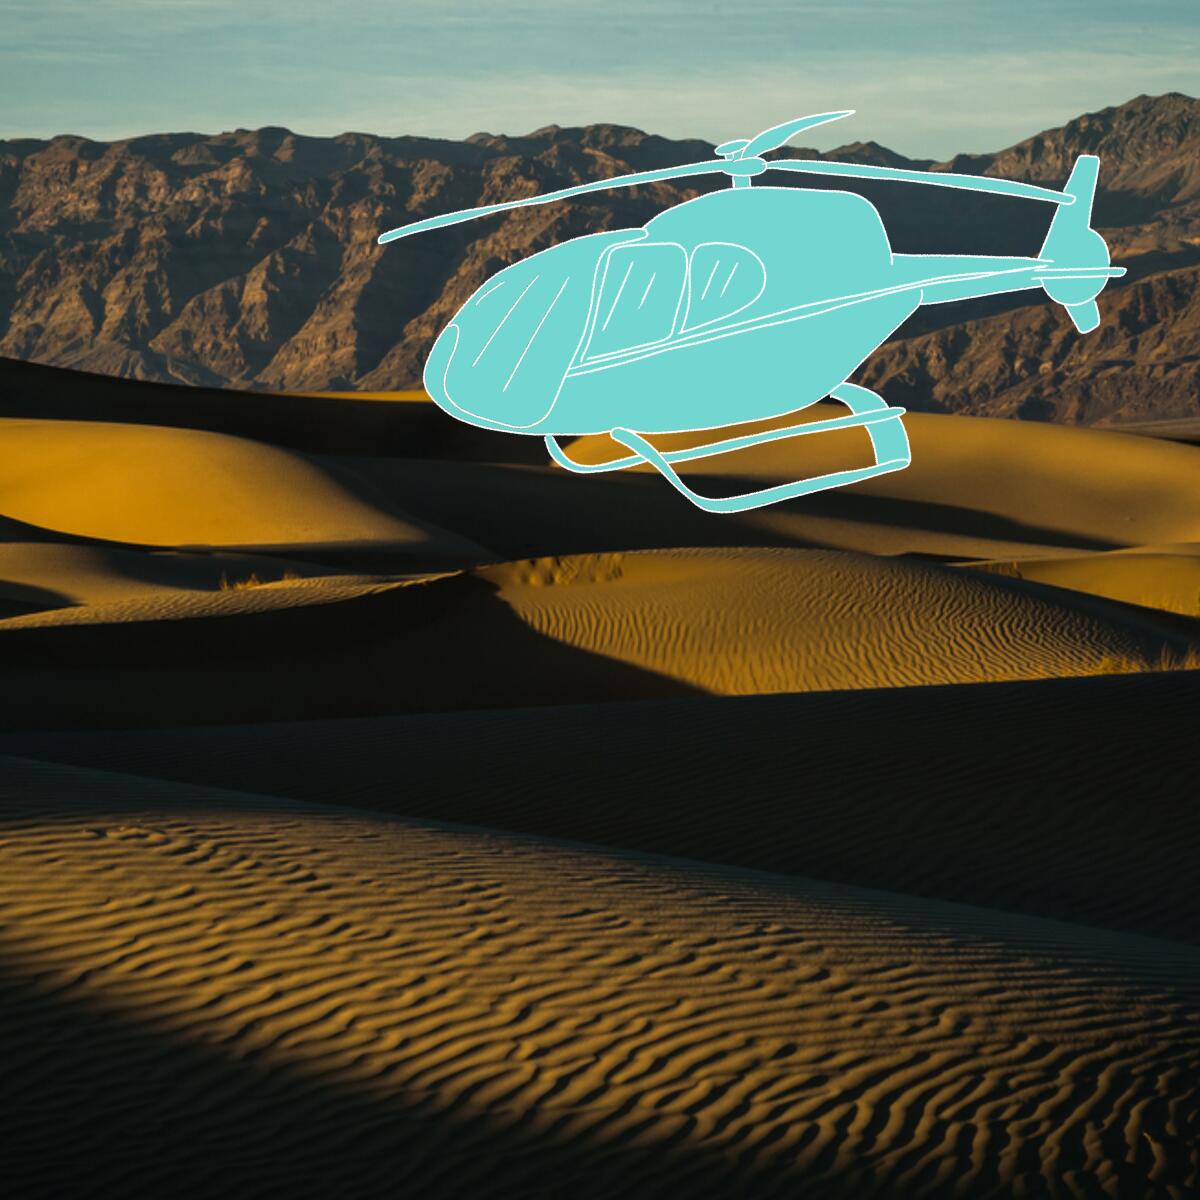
pixel 501 361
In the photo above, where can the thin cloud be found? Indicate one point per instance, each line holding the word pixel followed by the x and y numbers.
pixel 925 82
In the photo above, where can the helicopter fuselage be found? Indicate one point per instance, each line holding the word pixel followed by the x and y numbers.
pixel 667 327
pixel 736 307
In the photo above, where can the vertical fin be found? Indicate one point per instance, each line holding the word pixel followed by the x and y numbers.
pixel 1072 242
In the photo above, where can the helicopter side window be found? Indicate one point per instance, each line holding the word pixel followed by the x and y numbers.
pixel 639 298
pixel 723 279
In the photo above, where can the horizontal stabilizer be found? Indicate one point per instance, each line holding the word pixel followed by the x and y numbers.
pixel 1051 273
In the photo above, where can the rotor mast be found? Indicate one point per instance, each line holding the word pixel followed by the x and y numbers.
pixel 731 150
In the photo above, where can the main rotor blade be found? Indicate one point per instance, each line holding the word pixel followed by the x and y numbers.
pixel 968 183
pixel 469 214
pixel 773 138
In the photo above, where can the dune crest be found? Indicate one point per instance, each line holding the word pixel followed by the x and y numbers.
pixel 185 487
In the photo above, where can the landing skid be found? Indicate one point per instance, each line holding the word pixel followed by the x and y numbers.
pixel 882 422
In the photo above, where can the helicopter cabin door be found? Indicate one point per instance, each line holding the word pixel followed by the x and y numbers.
pixel 639 299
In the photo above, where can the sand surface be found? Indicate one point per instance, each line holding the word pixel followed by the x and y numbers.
pixel 378 819
pixel 285 993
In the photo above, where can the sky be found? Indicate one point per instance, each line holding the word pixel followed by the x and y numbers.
pixel 928 78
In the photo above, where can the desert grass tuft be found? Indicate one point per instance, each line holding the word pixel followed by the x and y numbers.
pixel 252 581
pixel 1132 664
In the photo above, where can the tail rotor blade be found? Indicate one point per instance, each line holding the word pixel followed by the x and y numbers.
pixel 1085 317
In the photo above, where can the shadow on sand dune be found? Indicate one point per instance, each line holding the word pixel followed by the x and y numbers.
pixel 1071 799
pixel 843 505
pixel 330 424
pixel 98 1102
pixel 17 599
pixel 522 512
pixel 444 646
pixel 12 530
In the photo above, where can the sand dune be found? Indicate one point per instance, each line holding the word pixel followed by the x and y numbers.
pixel 1083 482
pixel 281 996
pixel 977 489
pixel 743 621
pixel 1178 429
pixel 247 596
pixel 177 487
pixel 1072 799
pixel 405 424
pixel 292 919
pixel 98 575
pixel 566 630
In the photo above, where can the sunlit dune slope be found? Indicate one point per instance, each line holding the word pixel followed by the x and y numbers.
pixel 741 621
pixel 1073 799
pixel 1166 578
pixel 292 998
pixel 120 602
pixel 184 487
pixel 43 575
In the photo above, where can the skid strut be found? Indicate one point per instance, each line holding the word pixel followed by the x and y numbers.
pixel 881 421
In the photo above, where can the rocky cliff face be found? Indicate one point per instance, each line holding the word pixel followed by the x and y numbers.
pixel 248 259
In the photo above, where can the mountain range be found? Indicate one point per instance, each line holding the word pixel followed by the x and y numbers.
pixel 248 259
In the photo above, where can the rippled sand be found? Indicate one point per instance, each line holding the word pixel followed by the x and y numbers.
pixel 290 994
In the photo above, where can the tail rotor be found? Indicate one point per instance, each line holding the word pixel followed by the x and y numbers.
pixel 1077 263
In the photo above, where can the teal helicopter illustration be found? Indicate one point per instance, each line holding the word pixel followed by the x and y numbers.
pixel 738 306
